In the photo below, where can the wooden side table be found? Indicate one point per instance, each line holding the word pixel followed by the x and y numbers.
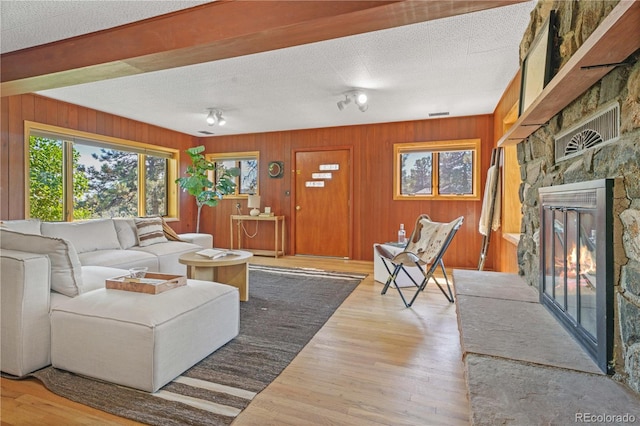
pixel 279 225
pixel 231 269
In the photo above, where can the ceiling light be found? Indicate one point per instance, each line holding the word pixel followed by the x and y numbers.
pixel 358 97
pixel 215 116
pixel 211 118
pixel 221 120
pixel 341 104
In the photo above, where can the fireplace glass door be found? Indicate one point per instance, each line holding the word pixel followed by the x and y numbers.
pixel 576 279
pixel 571 278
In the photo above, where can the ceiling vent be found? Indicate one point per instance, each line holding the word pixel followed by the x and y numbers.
pixel 206 132
pixel 597 129
pixel 438 114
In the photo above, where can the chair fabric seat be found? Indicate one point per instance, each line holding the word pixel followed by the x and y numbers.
pixel 407 258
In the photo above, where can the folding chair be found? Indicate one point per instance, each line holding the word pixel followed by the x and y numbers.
pixel 425 249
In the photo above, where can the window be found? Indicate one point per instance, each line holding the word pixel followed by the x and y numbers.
pixel 437 170
pixel 77 175
pixel 156 185
pixel 247 163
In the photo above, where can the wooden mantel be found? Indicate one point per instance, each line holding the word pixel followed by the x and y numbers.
pixel 617 37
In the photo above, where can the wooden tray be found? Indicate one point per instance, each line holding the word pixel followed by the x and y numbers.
pixel 152 283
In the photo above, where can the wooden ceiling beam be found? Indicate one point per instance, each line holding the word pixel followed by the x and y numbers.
pixel 214 31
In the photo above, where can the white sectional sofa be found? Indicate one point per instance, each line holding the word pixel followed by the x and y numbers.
pixel 52 277
pixel 114 243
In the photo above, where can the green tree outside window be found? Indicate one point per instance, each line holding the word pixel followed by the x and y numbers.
pixel 46 189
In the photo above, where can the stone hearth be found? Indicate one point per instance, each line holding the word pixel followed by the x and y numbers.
pixel 521 365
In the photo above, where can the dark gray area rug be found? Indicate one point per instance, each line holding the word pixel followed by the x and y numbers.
pixel 285 310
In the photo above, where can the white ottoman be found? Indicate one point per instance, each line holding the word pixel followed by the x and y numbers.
pixel 141 340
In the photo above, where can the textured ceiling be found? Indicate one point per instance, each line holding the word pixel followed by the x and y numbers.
pixel 459 65
pixel 27 23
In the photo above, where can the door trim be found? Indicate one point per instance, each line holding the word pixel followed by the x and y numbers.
pixel 292 207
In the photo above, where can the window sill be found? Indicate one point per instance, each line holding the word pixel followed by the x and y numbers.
pixel 512 238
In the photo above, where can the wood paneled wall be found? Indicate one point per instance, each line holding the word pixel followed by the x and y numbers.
pixel 504 250
pixel 376 215
pixel 17 109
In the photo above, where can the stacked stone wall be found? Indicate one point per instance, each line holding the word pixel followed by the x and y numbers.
pixel 619 160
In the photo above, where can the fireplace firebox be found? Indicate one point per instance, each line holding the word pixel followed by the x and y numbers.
pixel 576 263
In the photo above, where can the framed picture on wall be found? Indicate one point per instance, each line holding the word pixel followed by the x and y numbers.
pixel 538 64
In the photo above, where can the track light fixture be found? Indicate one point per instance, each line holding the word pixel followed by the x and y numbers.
pixel 215 116
pixel 211 118
pixel 358 97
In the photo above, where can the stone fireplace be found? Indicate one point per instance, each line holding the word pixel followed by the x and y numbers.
pixel 617 160
pixel 576 279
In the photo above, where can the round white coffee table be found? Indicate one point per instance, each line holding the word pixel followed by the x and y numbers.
pixel 231 269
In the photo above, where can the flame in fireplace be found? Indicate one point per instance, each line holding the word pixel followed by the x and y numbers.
pixel 587 266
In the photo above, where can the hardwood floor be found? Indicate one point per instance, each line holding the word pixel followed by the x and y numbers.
pixel 373 363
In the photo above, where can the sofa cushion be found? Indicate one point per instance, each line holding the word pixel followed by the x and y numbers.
pixel 126 231
pixel 95 277
pixel 89 235
pixel 169 247
pixel 150 231
pixel 66 272
pixel 203 240
pixel 123 259
pixel 25 226
pixel 168 254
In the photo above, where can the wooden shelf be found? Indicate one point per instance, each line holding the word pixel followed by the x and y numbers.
pixel 617 37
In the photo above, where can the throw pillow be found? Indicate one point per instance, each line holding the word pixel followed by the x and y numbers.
pixel 127 232
pixel 169 233
pixel 66 272
pixel 150 231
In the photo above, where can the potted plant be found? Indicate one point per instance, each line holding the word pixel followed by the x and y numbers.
pixel 197 182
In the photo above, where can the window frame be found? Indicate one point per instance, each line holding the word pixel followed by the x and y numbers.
pixel 435 148
pixel 236 157
pixel 68 137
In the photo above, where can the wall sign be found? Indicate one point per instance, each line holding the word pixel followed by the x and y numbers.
pixel 321 175
pixel 314 184
pixel 329 166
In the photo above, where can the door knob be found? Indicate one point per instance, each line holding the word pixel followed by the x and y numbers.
pixel 298 208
